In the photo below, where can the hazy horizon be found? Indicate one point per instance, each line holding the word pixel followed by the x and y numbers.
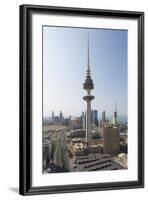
pixel 65 64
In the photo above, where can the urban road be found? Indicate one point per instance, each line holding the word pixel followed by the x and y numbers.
pixel 61 157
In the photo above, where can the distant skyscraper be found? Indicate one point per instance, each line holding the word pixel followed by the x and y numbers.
pixel 94 117
pixel 83 120
pixel 103 116
pixel 52 117
pixel 70 118
pixel 88 86
pixel 115 116
pixel 61 116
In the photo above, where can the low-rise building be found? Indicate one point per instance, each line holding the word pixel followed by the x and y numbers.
pixel 95 162
pixel 122 160
pixel 46 153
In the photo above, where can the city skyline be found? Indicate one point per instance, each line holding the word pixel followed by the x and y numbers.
pixel 62 86
pixel 108 117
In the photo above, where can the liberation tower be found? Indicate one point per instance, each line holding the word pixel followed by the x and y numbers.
pixel 88 86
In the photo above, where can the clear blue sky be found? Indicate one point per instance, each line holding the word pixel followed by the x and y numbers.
pixel 65 64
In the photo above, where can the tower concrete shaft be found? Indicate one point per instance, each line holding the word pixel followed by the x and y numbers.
pixel 88 99
pixel 88 86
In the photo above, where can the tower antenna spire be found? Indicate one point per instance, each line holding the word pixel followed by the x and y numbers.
pixel 116 107
pixel 88 64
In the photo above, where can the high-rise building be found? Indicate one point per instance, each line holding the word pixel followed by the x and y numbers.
pixel 69 118
pixel 115 116
pixel 94 117
pixel 111 140
pixel 88 86
pixel 61 118
pixel 103 116
pixel 83 120
pixel 52 117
